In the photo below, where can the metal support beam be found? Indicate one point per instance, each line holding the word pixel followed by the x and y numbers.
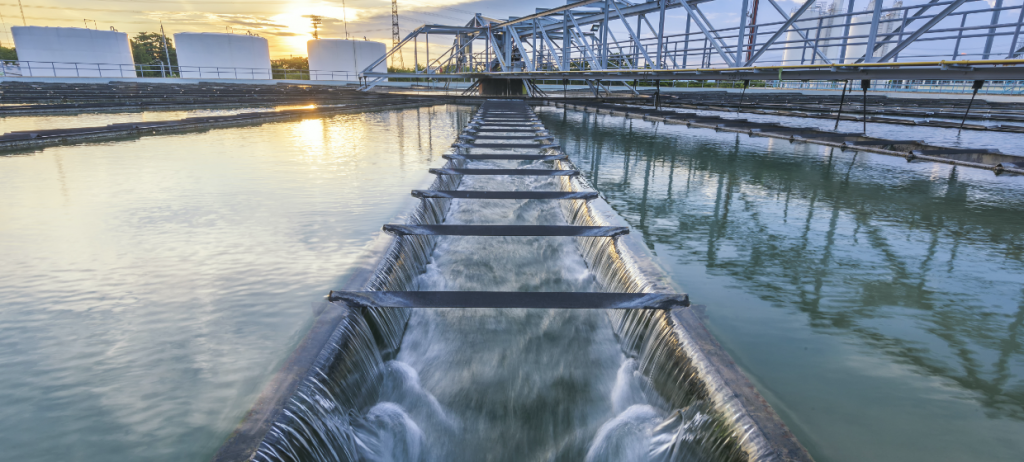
pixel 799 32
pixel 778 33
pixel 873 32
pixel 707 34
pixel 921 30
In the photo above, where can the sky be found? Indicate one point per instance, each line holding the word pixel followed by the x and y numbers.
pixel 282 22
pixel 286 25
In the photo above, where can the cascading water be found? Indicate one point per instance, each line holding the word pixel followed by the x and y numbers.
pixel 512 384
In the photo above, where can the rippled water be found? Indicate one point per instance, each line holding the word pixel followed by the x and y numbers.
pixel 150 287
pixel 877 304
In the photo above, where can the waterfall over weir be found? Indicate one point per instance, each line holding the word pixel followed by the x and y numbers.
pixel 391 380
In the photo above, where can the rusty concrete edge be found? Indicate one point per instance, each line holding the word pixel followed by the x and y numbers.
pixel 243 442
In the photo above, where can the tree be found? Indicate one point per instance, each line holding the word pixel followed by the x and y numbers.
pixel 292 62
pixel 148 48
pixel 8 53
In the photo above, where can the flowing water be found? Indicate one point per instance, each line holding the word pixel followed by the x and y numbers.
pixel 150 287
pixel 497 385
pixel 877 304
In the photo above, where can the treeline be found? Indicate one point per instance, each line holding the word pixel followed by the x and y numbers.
pixel 148 48
pixel 8 53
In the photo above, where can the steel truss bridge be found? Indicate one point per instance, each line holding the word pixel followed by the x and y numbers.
pixel 607 40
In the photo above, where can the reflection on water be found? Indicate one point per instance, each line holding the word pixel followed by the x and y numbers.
pixel 149 288
pixel 97 119
pixel 878 304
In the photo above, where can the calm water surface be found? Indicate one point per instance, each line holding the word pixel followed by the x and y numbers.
pixel 99 119
pixel 878 305
pixel 149 288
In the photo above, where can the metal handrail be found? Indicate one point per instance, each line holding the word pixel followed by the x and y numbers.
pixel 22 68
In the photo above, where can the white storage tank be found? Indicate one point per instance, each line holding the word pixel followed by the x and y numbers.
pixel 797 52
pixel 72 52
pixel 331 59
pixel 211 55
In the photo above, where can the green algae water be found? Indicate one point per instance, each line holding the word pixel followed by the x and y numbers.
pixel 150 287
pixel 878 305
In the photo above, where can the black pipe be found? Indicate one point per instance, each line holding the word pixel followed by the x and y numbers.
pixel 864 85
pixel 746 83
pixel 657 95
pixel 977 86
pixel 841 100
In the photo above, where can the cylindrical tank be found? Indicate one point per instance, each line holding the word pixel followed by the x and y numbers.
pixel 795 53
pixel 72 52
pixel 331 59
pixel 887 23
pixel 210 55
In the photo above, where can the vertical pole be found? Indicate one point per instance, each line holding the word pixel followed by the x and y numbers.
pixel 753 31
pixel 416 54
pixel 991 31
pixel 960 34
pixel 846 33
pixel 686 43
pixel 636 46
pixel 535 54
pixel 167 54
pixel 604 37
pixel 426 63
pixel 869 50
pixel 661 35
pixel 566 47
pixel 508 46
pixel 741 35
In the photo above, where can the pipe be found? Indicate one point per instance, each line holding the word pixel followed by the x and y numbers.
pixel 864 85
pixel 977 86
pixel 841 100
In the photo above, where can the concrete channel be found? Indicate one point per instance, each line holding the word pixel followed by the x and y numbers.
pixel 687 364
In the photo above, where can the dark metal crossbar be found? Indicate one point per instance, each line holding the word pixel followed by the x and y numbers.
pixel 504 171
pixel 511 145
pixel 880 142
pixel 504 157
pixel 506 230
pixel 509 130
pixel 442 194
pixel 537 300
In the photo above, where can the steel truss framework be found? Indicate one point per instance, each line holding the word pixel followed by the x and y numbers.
pixel 597 40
